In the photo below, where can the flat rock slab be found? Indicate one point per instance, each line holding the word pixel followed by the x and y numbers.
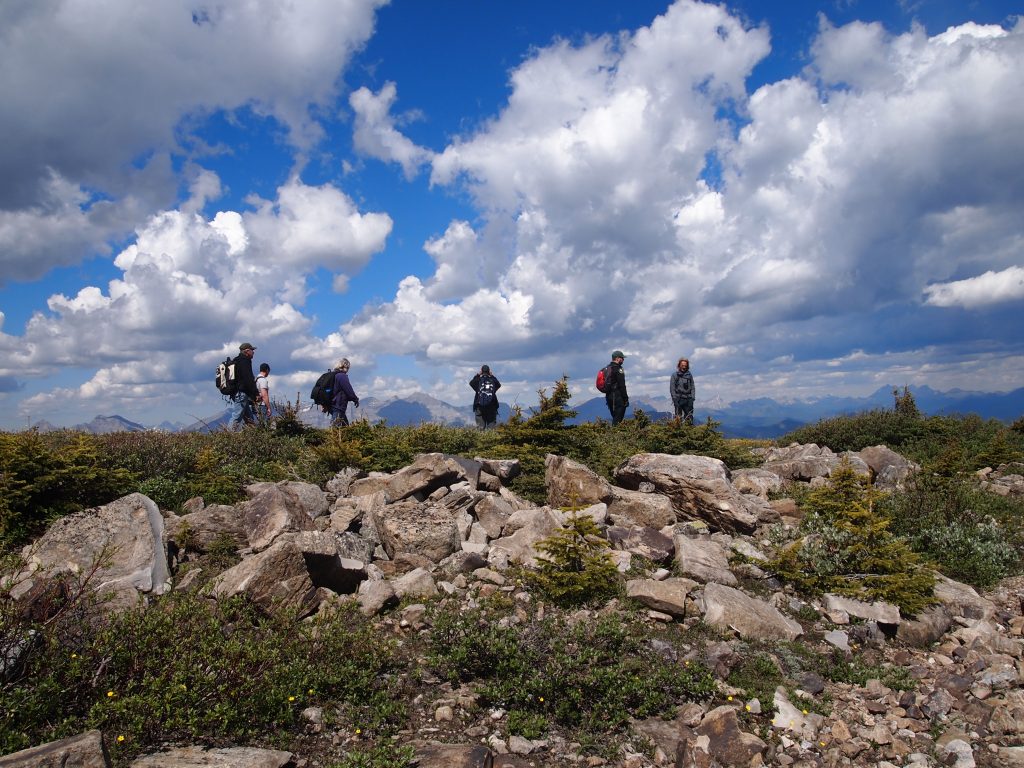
pixel 85 750
pixel 234 757
pixel 728 608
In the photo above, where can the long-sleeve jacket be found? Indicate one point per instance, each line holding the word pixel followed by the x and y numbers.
pixel 243 375
pixel 343 392
pixel 617 387
pixel 681 386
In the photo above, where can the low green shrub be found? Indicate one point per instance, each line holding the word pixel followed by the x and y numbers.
pixel 593 675
pixel 840 666
pixel 192 669
pixel 846 548
pixel 44 478
pixel 758 675
pixel 383 755
pixel 964 531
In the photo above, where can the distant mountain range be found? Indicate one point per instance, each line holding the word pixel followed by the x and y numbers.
pixel 759 417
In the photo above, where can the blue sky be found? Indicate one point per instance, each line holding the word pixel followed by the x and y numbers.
pixel 804 198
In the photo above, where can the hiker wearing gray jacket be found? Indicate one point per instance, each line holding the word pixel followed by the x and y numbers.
pixel 682 390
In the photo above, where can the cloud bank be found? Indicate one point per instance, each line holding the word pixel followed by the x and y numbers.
pixel 853 224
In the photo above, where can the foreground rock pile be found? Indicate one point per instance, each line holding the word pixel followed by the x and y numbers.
pixel 449 528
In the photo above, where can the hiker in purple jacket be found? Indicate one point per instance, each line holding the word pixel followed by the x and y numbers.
pixel 343 394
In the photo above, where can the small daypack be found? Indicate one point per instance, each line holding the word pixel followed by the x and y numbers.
pixel 485 394
pixel 323 391
pixel 225 378
pixel 604 379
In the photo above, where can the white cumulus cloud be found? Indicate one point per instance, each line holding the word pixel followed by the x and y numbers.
pixel 983 290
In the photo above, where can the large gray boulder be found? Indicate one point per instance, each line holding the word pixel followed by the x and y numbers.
pixel 492 512
pixel 86 750
pixel 311 497
pixel 427 473
pixel 530 527
pixel 651 510
pixel 274 579
pixel 571 484
pixel 755 481
pixel 889 468
pixel 699 487
pixel 962 600
pixel 644 542
pixel 198 530
pixel 881 612
pixel 429 530
pixel 719 741
pixel 752 619
pixel 668 596
pixel 810 462
pixel 433 754
pixel 703 559
pixel 120 544
pixel 272 511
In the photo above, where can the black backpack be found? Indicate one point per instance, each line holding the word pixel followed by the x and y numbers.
pixel 485 396
pixel 323 391
pixel 225 378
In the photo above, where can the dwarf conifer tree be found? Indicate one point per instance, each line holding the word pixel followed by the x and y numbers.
pixel 552 411
pixel 576 566
pixel 905 405
pixel 847 549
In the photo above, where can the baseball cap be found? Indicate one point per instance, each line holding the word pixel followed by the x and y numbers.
pixel 245 346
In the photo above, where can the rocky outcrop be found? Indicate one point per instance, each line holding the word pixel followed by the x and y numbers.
pixel 810 463
pixel 198 530
pixel 410 526
pixel 889 469
pixel 758 482
pixel 118 548
pixel 1004 480
pixel 703 559
pixel 571 484
pixel 699 489
pixel 668 596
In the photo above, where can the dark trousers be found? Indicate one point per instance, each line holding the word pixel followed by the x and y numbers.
pixel 684 409
pixel 616 406
pixel 339 416
pixel 485 419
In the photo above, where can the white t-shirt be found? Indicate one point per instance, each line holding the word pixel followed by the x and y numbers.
pixel 263 385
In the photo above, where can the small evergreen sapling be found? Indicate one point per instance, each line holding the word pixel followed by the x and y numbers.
pixel 576 566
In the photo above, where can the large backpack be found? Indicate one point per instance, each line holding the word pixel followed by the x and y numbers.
pixel 604 379
pixel 225 378
pixel 485 396
pixel 323 391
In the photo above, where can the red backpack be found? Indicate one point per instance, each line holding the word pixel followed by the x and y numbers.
pixel 604 379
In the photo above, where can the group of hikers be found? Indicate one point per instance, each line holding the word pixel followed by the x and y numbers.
pixel 252 393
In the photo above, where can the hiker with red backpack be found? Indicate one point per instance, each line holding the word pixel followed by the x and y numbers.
pixel 612 381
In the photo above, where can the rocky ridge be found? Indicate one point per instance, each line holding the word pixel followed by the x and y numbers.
pixel 448 528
